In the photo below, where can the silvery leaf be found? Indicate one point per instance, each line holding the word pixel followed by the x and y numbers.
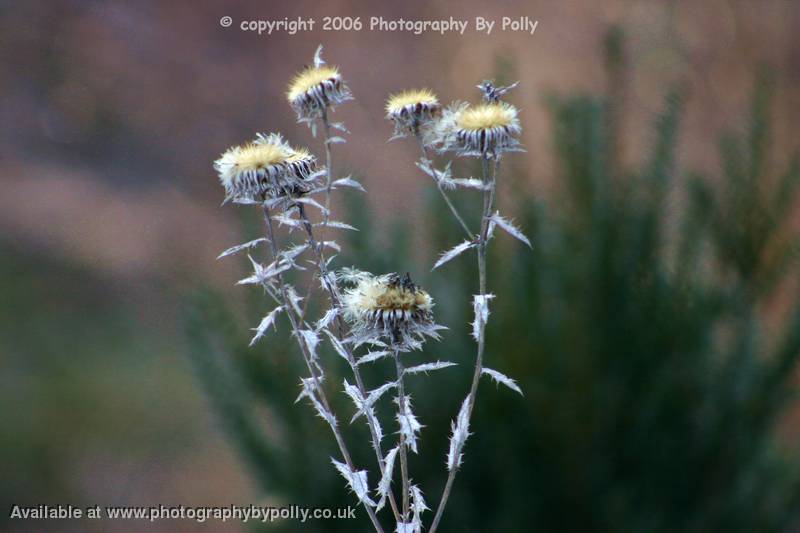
pixel 453 253
pixel 502 378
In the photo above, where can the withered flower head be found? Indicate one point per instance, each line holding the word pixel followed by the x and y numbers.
pixel 265 167
pixel 316 88
pixel 412 109
pixel 389 307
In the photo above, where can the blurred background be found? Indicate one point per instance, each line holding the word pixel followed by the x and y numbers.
pixel 655 328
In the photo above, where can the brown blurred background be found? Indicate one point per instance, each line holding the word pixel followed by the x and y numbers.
pixel 112 114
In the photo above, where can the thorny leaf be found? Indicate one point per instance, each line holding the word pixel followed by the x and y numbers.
pixel 481 308
pixel 310 201
pixel 418 506
pixel 333 245
pixel 386 477
pixel 409 425
pixel 502 378
pixel 453 252
pixel 373 356
pixel 358 400
pixel 294 299
pixel 239 247
pixel 338 346
pixel 466 183
pixel 460 430
pixel 261 274
pixel 375 394
pixel 291 253
pixel 266 322
pixel 348 182
pixel 510 228
pixel 427 367
pixel 357 480
pixel 335 140
pixel 336 224
pixel 309 386
pixel 311 340
pixel 327 319
pixel 284 219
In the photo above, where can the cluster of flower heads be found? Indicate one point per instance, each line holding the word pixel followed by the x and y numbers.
pixel 483 130
pixel 267 167
pixel 316 88
pixel 387 308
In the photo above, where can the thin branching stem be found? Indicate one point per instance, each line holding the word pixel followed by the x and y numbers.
pixel 446 198
pixel 326 126
pixel 318 390
pixel 401 406
pixel 329 282
pixel 483 238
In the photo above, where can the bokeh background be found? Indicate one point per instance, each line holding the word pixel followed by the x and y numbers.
pixel 654 327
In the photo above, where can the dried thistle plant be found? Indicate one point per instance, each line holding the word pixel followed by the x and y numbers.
pixel 487 131
pixel 367 317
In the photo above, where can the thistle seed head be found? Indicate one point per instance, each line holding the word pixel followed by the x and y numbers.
pixel 315 88
pixel 388 306
pixel 412 109
pixel 265 167
pixel 484 130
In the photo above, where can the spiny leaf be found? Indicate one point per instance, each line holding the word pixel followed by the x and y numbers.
pixel 357 480
pixel 453 252
pixel 239 247
pixel 386 477
pixel 265 324
pixel 336 224
pixel 409 425
pixel 481 307
pixel 338 346
pixel 510 228
pixel 348 182
pixel 427 367
pixel 373 356
pixel 460 430
pixel 327 319
pixel 502 378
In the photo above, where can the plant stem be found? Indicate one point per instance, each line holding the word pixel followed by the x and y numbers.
pixel 446 198
pixel 402 409
pixel 483 237
pixel 329 282
pixel 321 396
pixel 326 125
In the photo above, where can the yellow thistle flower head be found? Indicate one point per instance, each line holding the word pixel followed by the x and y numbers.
pixel 315 88
pixel 411 109
pixel 389 306
pixel 487 117
pixel 265 167
pixel 484 130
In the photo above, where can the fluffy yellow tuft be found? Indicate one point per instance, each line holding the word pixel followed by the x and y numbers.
pixel 257 156
pixel 308 78
pixel 398 101
pixel 376 295
pixel 487 116
pixel 298 154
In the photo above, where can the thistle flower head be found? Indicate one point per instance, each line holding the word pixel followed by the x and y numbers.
pixel 485 130
pixel 411 109
pixel 315 88
pixel 267 166
pixel 390 307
